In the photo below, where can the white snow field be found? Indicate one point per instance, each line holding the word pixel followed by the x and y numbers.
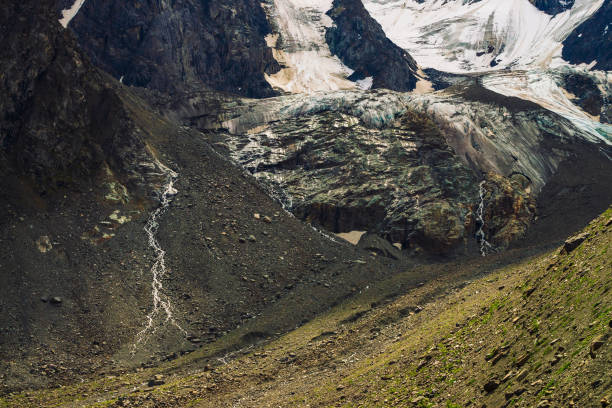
pixel 461 36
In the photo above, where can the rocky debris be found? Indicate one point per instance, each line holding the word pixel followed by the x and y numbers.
pixel 181 45
pixel 380 246
pixel 56 300
pixel 44 244
pixel 360 42
pixel 156 381
pixel 574 242
pixel 596 344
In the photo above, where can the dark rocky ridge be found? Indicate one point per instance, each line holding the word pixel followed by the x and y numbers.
pixel 553 7
pixel 61 123
pixel 587 95
pixel 181 45
pixel 592 40
pixel 360 42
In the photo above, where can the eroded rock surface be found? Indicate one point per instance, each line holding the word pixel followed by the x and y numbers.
pixel 404 166
pixel 174 46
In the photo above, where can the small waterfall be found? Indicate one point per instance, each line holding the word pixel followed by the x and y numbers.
pixel 162 306
pixel 485 246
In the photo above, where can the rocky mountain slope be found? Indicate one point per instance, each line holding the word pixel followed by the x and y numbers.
pixel 113 215
pixel 180 45
pixel 535 333
pixel 160 227
pixel 361 44
pixel 591 41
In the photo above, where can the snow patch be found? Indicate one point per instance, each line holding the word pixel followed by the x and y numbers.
pixel 300 47
pixel 365 83
pixel 69 13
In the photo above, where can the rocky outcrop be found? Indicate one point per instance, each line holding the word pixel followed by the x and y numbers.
pixel 509 210
pixel 61 121
pixel 588 94
pixel 360 42
pixel 408 167
pixel 401 166
pixel 180 45
pixel 592 40
pixel 553 7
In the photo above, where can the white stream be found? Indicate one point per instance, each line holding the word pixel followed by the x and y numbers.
pixel 162 306
pixel 485 246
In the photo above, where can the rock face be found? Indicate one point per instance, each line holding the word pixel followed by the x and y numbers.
pixel 179 45
pixel 360 42
pixel 553 6
pixel 592 40
pixel 61 123
pixel 406 167
pixel 587 94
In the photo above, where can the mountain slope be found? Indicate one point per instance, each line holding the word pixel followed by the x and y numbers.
pixel 459 36
pixel 126 238
pixel 179 46
pixel 361 44
pixel 592 40
pixel 535 333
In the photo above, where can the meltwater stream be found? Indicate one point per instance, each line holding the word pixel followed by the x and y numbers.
pixel 162 307
pixel 485 246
